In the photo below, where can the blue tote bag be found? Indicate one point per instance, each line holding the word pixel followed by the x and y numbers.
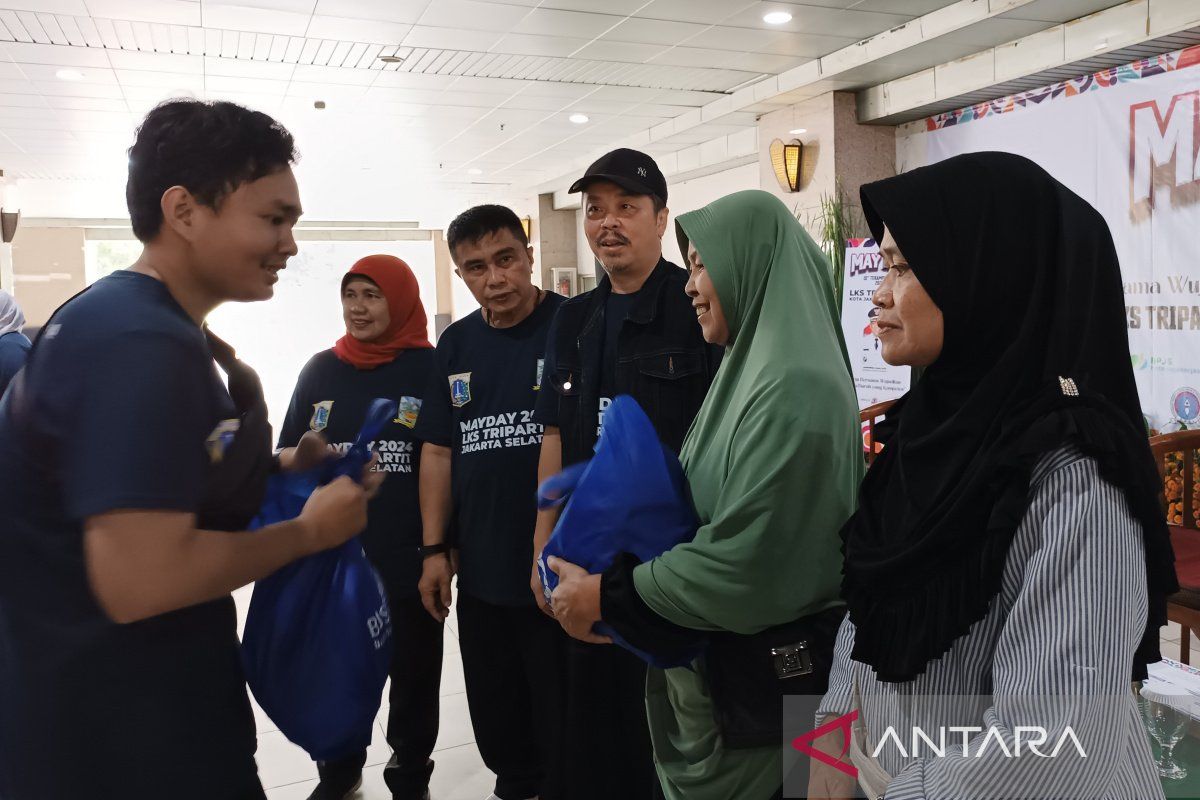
pixel 318 636
pixel 631 497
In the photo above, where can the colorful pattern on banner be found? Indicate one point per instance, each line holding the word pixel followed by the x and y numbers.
pixel 1132 152
pixel 1114 76
pixel 874 379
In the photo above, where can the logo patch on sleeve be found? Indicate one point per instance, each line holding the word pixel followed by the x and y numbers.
pixel 320 417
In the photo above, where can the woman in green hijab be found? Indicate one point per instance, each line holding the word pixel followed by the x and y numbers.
pixel 773 461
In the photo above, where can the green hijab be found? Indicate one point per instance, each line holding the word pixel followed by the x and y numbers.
pixel 774 457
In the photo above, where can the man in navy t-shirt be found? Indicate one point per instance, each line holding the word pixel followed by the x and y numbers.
pixel 128 473
pixel 478 486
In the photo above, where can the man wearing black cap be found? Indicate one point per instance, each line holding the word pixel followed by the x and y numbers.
pixel 635 334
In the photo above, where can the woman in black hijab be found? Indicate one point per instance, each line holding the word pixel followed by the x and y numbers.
pixel 1009 543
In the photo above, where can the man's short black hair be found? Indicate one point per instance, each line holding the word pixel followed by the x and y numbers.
pixel 476 223
pixel 210 149
pixel 659 203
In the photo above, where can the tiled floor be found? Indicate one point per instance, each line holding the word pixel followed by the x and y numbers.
pixel 288 773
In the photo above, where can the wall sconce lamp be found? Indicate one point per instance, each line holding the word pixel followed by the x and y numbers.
pixel 8 219
pixel 527 226
pixel 785 160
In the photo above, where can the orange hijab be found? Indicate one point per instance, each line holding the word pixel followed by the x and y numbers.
pixel 408 328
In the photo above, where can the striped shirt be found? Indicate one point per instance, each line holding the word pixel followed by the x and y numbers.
pixel 1065 624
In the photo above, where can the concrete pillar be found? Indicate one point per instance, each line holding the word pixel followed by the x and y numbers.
pixel 837 150
pixel 557 235
pixel 443 270
pixel 48 268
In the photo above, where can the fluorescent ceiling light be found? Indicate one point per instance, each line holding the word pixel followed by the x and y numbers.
pixel 777 18
pixel 579 119
pixel 798 131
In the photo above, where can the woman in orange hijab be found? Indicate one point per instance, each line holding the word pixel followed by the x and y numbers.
pixel 385 353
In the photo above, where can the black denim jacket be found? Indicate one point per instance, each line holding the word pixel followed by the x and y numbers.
pixel 662 360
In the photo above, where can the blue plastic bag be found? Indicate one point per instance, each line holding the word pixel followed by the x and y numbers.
pixel 631 497
pixel 318 638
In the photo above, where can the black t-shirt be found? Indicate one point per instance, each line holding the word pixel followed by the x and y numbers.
pixel 332 398
pixel 123 409
pixel 480 405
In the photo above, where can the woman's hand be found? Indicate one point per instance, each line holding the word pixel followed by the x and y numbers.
pixel 310 451
pixel 576 601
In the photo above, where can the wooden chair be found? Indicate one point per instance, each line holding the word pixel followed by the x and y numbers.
pixel 1182 493
pixel 869 416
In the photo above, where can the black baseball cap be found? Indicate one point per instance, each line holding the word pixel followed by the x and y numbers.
pixel 633 171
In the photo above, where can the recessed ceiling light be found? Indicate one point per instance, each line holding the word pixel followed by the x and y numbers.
pixel 474 171
pixel 798 131
pixel 319 104
pixel 777 18
pixel 391 59
pixel 579 119
pixel 69 75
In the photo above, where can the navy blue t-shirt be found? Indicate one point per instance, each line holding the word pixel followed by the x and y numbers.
pixel 332 398
pixel 480 404
pixel 14 348
pixel 122 409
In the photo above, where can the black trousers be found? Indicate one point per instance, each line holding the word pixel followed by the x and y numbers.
pixel 608 752
pixel 512 662
pixel 416 673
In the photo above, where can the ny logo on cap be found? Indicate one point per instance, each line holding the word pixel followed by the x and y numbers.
pixel 641 171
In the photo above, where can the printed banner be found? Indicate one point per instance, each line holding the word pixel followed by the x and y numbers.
pixel 874 380
pixel 1125 140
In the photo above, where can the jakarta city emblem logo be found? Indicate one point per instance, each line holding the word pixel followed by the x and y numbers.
pixel 320 417
pixel 460 389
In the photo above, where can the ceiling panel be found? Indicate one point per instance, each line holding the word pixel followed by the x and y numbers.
pixel 244 18
pixel 219 83
pixel 48 6
pixel 551 22
pixel 232 68
pixel 1058 11
pixel 293 6
pixel 156 62
pixel 329 92
pixel 653 31
pixel 357 30
pixel 172 12
pixel 560 46
pixel 89 104
pixel 449 38
pixel 914 8
pixel 314 74
pixel 388 10
pixel 24 53
pixel 621 51
pixel 472 15
pixel 805 45
pixel 821 21
pixel 992 32
pixel 706 11
pixel 161 80
pixel 62 89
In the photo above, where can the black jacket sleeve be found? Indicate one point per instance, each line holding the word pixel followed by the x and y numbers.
pixel 623 609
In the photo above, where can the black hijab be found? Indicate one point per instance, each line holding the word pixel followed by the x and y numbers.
pixel 1026 276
